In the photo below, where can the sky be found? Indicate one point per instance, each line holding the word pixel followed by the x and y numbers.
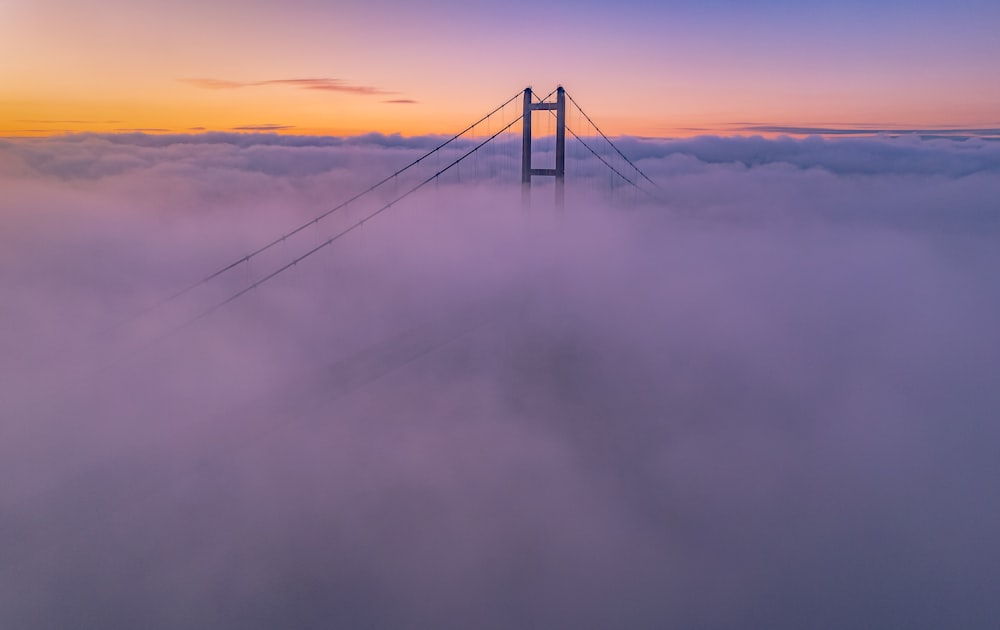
pixel 671 68
pixel 759 393
pixel 768 402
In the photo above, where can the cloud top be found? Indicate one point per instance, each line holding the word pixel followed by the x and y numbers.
pixel 766 403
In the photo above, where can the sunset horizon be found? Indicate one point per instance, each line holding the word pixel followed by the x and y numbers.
pixel 413 117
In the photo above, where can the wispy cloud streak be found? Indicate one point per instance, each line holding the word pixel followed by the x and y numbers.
pixel 866 130
pixel 320 83
pixel 263 127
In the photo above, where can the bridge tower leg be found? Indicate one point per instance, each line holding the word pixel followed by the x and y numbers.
pixel 560 147
pixel 526 149
pixel 559 172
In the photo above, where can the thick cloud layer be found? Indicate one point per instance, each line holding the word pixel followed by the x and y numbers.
pixel 768 402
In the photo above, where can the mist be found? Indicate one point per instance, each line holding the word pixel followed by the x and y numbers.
pixel 761 397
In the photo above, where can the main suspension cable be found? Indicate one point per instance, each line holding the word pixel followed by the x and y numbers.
pixel 357 224
pixel 313 221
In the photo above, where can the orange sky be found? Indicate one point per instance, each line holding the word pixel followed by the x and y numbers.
pixel 655 69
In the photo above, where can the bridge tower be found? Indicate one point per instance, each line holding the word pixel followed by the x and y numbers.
pixel 559 172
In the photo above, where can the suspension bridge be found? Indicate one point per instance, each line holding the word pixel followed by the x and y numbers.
pixel 514 137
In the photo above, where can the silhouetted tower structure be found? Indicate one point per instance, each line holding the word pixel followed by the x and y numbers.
pixel 559 172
